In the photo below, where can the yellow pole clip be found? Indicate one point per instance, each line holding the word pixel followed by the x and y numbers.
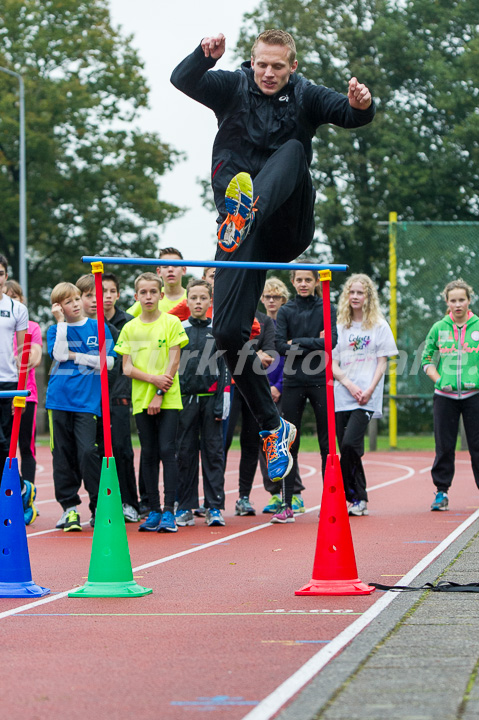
pixel 97 267
pixel 325 275
pixel 19 401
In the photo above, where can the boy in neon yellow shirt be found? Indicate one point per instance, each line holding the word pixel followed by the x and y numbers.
pixel 151 347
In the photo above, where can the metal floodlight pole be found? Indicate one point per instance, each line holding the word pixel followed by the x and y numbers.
pixel 23 187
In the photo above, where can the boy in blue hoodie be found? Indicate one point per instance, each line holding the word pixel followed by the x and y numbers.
pixel 74 402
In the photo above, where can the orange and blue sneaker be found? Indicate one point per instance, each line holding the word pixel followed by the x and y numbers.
pixel 241 208
pixel 276 445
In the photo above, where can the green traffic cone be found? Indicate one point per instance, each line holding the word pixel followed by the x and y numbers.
pixel 110 573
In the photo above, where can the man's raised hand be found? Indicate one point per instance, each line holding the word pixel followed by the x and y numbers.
pixel 214 46
pixel 358 95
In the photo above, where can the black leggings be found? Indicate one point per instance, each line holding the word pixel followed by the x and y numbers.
pixel 351 426
pixel 447 412
pixel 249 441
pixel 157 435
pixel 26 440
pixel 6 422
pixel 294 402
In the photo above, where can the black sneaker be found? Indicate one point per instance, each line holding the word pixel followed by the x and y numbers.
pixel 72 521
pixel 144 509
pixel 92 519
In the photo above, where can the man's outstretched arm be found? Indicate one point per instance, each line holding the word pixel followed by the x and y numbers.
pixel 191 76
pixel 324 105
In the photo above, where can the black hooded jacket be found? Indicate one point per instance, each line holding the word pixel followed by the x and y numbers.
pixel 202 371
pixel 301 320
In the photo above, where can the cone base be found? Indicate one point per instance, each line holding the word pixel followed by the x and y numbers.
pixel 110 589
pixel 336 587
pixel 27 589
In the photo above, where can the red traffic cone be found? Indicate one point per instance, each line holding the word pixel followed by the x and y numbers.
pixel 334 569
pixel 15 572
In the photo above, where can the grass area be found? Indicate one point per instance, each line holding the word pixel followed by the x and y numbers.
pixel 309 443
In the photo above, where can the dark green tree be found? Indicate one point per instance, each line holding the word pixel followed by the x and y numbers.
pixel 420 155
pixel 93 178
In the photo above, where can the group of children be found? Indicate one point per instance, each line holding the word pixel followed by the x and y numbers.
pixel 163 365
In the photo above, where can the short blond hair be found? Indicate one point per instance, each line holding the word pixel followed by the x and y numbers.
pixel 149 277
pixel 276 37
pixel 63 291
pixel 277 286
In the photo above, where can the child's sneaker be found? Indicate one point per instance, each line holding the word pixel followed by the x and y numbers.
pixel 184 518
pixel 130 514
pixel 144 509
pixel 214 517
pixel 61 523
pixel 200 512
pixel 358 508
pixel 168 523
pixel 285 515
pixel 240 207
pixel 276 445
pixel 28 496
pixel 297 505
pixel 152 522
pixel 72 521
pixel 274 505
pixel 244 507
pixel 441 501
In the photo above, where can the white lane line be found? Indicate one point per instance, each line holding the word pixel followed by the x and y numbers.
pixel 175 556
pixel 284 692
pixel 52 530
pixel 52 500
pixel 409 473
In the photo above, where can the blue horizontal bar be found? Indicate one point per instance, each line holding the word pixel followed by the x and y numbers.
pixel 215 263
pixel 15 393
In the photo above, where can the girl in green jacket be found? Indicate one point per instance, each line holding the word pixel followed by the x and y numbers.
pixel 451 359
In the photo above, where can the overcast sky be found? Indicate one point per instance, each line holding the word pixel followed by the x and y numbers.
pixel 164 33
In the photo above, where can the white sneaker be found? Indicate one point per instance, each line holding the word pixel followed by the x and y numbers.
pixel 358 507
pixel 130 514
pixel 61 523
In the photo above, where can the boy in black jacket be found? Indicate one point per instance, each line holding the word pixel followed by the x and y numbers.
pixel 202 382
pixel 300 338
pixel 264 346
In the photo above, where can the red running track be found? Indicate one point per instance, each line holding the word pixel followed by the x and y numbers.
pixel 223 628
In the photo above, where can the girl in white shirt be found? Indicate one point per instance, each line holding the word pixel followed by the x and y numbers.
pixel 365 342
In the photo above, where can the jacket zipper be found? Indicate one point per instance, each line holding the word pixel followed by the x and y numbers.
pixel 459 363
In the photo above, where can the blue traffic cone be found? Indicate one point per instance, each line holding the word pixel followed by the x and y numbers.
pixel 15 572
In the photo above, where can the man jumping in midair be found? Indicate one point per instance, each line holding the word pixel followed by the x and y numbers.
pixel 267 116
